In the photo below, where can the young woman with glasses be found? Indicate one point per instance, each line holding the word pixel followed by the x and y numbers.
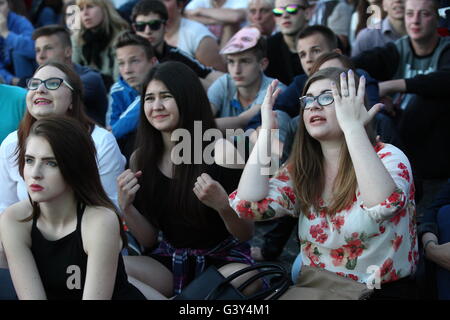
pixel 354 197
pixel 56 89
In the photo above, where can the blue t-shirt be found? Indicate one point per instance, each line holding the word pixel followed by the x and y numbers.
pixel 12 108
pixel 223 95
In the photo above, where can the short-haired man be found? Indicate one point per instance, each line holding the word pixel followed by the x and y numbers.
pixel 149 21
pixel 52 42
pixel 291 17
pixel 135 57
pixel 236 97
pixel 415 70
pixel 392 28
pixel 260 15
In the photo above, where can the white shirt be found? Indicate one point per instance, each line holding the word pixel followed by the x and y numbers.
pixel 110 163
pixel 229 4
pixel 190 34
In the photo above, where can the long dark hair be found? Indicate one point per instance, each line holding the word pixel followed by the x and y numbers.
pixel 77 111
pixel 306 161
pixel 193 105
pixel 75 154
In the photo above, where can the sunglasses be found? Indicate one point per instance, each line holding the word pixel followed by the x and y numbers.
pixel 50 84
pixel 323 99
pixel 154 25
pixel 292 9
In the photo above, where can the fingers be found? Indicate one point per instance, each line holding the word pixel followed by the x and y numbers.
pixel 344 86
pixel 374 110
pixel 351 84
pixel 361 89
pixel 334 90
pixel 128 181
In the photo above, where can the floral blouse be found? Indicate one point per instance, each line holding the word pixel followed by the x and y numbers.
pixel 358 242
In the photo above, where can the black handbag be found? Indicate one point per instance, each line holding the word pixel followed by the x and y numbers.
pixel 212 285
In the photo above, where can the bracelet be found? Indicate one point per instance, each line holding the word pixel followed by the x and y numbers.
pixel 426 245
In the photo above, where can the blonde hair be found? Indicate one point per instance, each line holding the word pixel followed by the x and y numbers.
pixel 306 162
pixel 112 22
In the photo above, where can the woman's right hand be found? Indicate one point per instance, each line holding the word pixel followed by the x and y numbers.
pixel 127 187
pixel 268 119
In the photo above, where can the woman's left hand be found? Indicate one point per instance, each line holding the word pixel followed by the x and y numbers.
pixel 211 193
pixel 349 103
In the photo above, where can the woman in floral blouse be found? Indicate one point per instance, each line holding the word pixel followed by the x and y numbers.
pixel 354 197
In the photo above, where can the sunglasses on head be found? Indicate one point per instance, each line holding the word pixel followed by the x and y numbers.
pixel 291 9
pixel 50 84
pixel 154 25
pixel 324 99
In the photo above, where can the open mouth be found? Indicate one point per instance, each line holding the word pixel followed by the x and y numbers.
pixel 42 101
pixel 317 119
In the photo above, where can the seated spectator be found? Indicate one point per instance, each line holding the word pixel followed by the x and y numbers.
pixel 291 17
pixel 148 15
pixel 236 97
pixel 52 42
pixel 223 18
pixel 434 232
pixel 349 218
pixel 187 201
pixel 260 15
pixel 414 73
pixel 392 28
pixel 191 36
pixel 45 12
pixel 16 46
pixel 93 44
pixel 56 89
pixel 135 58
pixel 368 14
pixel 64 204
pixel 12 108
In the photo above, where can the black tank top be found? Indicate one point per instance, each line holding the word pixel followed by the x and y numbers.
pixel 62 266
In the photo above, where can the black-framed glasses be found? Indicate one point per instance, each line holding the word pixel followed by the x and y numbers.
pixel 154 25
pixel 50 83
pixel 292 9
pixel 324 99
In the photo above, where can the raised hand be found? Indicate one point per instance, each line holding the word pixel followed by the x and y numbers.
pixel 268 120
pixel 211 193
pixel 349 103
pixel 127 187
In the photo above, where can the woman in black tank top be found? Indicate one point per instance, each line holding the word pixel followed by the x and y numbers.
pixel 65 242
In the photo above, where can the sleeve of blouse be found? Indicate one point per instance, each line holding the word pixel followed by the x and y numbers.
pixel 280 200
pixel 399 168
pixel 8 186
pixel 111 163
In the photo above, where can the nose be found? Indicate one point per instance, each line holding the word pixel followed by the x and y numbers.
pixel 147 29
pixel 41 88
pixel 36 173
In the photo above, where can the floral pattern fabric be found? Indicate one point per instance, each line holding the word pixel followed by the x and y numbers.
pixel 358 242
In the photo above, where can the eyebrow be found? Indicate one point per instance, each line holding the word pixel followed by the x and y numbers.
pixel 320 92
pixel 162 92
pixel 45 158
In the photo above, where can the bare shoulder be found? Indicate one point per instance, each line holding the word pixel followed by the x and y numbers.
pixel 99 216
pixel 12 225
pixel 226 155
pixel 17 212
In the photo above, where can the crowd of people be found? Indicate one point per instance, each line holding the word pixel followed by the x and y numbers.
pixel 143 140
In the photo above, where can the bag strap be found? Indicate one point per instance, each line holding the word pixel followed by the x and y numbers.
pixel 278 288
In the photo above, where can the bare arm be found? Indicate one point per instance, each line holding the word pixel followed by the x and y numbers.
pixel 208 54
pixel 254 183
pixel 217 15
pixel 375 184
pixel 16 239
pixel 239 121
pixel 127 185
pixel 102 243
pixel 213 195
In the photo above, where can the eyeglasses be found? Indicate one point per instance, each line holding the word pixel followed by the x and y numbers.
pixel 50 84
pixel 154 25
pixel 292 9
pixel 323 99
